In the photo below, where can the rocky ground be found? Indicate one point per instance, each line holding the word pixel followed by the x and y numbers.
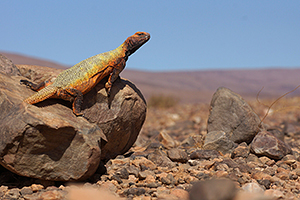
pixel 168 159
pixel 199 151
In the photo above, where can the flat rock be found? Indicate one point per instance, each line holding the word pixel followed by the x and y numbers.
pixel 47 141
pixel 204 154
pixel 231 114
pixel 177 155
pixel 217 140
pixel 266 144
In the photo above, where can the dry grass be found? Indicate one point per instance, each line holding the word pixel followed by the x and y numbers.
pixel 162 101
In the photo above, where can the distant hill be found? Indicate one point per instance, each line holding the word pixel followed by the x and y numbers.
pixel 199 86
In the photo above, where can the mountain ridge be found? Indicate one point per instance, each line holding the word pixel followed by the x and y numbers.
pixel 198 86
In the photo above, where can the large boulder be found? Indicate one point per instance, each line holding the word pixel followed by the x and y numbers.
pixel 230 113
pixel 47 141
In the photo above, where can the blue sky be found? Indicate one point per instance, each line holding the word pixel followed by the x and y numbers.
pixel 185 35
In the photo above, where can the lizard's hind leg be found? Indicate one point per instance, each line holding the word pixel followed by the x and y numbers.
pixel 35 87
pixel 73 95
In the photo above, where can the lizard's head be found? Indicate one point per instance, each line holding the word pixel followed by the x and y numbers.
pixel 135 41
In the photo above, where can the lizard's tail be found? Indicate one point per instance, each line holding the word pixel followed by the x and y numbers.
pixel 41 95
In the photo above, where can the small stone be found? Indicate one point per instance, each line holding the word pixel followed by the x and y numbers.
pixel 261 176
pixel 135 191
pixel 161 159
pixel 116 178
pixel 180 194
pixel 153 185
pixel 213 189
pixel 266 144
pixel 12 194
pixel 221 174
pixel 177 155
pixel 3 190
pixel 139 161
pixel 242 150
pixel 166 140
pixel 289 159
pixel 36 187
pixel 253 158
pixel 195 141
pixel 26 190
pixel 132 170
pixel 253 188
pixel 270 171
pixel 282 175
pixel 168 179
pixel 143 174
pixel 132 178
pixel 274 193
pixel 108 186
pixel 266 183
pixel 218 140
pixel 123 173
pixel 204 154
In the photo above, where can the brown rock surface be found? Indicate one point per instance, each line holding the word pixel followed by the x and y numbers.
pixel 231 114
pixel 266 144
pixel 47 141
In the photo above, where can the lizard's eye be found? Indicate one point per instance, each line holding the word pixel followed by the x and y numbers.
pixel 140 34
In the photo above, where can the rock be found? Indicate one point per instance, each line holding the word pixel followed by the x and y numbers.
pixel 161 159
pixel 253 188
pixel 7 67
pixel 217 140
pixel 3 190
pixel 123 173
pixel 47 141
pixel 277 133
pixel 231 114
pixel 204 154
pixel 242 150
pixel 180 194
pixel 221 189
pixel 193 141
pixel 135 191
pixel 166 140
pixel 120 117
pixel 26 191
pixel 143 174
pixel 266 144
pixel 36 187
pixel 12 194
pixel 177 155
pixel 275 194
pixel 142 161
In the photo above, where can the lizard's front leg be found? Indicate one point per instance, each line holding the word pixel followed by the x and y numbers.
pixel 114 75
pixel 74 95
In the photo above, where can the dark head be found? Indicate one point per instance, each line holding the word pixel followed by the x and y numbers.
pixel 135 41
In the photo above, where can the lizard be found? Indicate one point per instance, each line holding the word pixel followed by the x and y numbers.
pixel 71 84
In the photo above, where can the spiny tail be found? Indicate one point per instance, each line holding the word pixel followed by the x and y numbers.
pixel 41 95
